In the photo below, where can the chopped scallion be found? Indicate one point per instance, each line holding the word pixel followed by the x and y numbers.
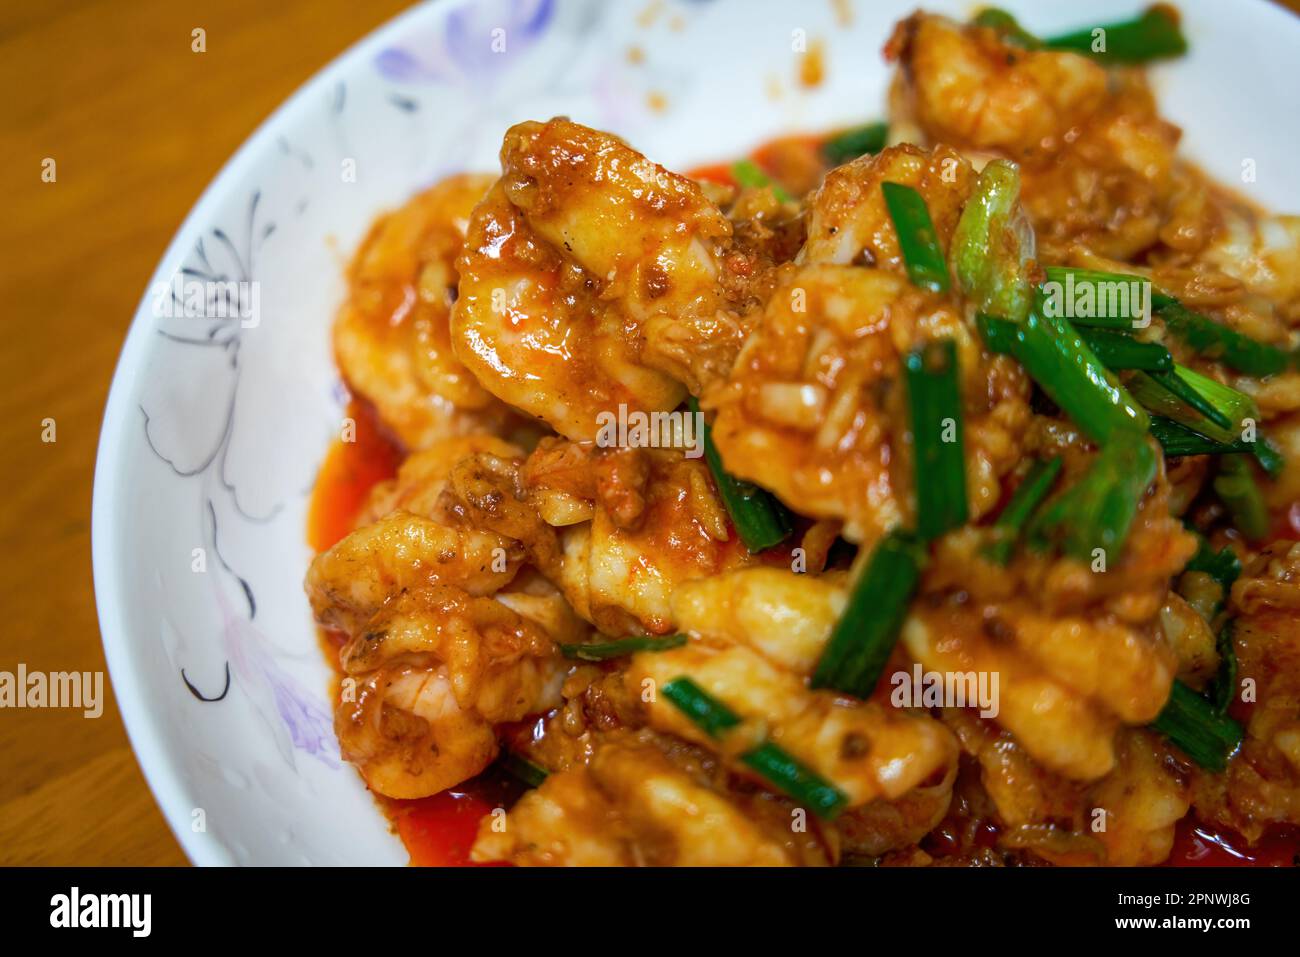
pixel 939 466
pixel 852 143
pixel 1029 494
pixel 866 633
pixel 782 770
pixel 1191 722
pixel 760 519
pixel 747 173
pixel 917 240
pixel 1236 488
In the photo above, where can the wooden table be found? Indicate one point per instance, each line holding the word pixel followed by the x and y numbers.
pixel 138 124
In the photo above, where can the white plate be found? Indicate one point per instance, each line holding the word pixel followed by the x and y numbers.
pixel 214 444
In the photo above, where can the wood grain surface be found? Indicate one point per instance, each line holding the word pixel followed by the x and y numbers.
pixel 138 124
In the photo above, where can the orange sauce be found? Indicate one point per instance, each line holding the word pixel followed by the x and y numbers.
pixel 793 161
pixel 812 67
pixel 1197 844
pixel 349 472
pixel 714 173
pixel 439 831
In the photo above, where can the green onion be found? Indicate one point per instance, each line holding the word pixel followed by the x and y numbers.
pixel 1081 276
pixel 1153 35
pixel 1223 566
pixel 1224 686
pixel 760 519
pixel 855 142
pixel 1064 367
pixel 917 239
pixel 1268 456
pixel 939 469
pixel 1191 722
pixel 521 768
pixel 1063 364
pixel 711 715
pixel 1064 284
pixel 866 633
pixel 1206 336
pixel 746 173
pixel 797 781
pixel 1097 511
pixel 999 335
pixel 1120 352
pixel 782 770
pixel 1117 352
pixel 1216 341
pixel 993 244
pixel 1008 26
pixel 1177 439
pixel 604 650
pixel 1178 382
pixel 1196 401
pixel 1029 494
pixel 1236 488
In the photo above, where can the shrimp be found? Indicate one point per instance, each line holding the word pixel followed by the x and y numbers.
pixel 407 734
pixel 1262 783
pixel 632 806
pixel 1143 800
pixel 849 222
pixel 1078 652
pixel 1261 251
pixel 860 747
pixel 788 618
pixel 654 522
pixel 816 411
pixel 784 616
pixel 966 86
pixel 578 249
pixel 352 580
pixel 392 337
pixel 1137 804
pixel 1098 161
pixel 435 669
pixel 1062 728
pixel 422 477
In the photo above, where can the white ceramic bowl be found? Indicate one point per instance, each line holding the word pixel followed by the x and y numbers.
pixel 214 429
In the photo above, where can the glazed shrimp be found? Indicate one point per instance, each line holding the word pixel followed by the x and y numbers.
pixel 651 520
pixel 1261 251
pixel 816 411
pixel 631 806
pixel 436 669
pixel 580 243
pixel 352 580
pixel 866 750
pixel 966 86
pixel 423 476
pixel 849 222
pixel 1138 803
pixel 647 234
pixel 1098 161
pixel 1262 783
pixel 392 337
pixel 784 616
